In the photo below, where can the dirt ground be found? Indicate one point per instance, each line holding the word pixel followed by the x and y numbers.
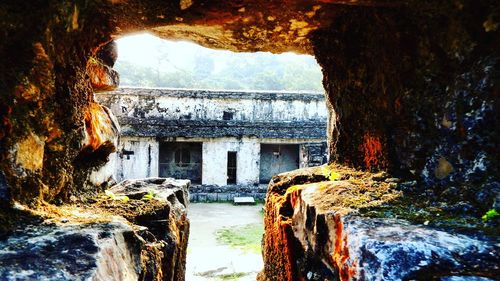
pixel 208 258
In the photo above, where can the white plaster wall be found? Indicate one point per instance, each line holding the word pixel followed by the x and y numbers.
pixel 174 108
pixel 303 156
pixel 214 168
pixel 142 164
pixel 105 173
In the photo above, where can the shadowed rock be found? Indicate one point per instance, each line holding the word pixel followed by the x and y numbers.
pixel 144 240
pixel 101 251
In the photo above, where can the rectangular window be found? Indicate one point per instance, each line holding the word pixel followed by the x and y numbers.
pixel 227 115
pixel 231 167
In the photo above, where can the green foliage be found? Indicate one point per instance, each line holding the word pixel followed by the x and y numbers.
pixel 109 194
pixel 246 237
pixel 150 195
pixel 209 69
pixel 491 214
pixel 330 174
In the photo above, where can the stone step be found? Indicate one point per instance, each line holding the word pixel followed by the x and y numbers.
pixel 244 200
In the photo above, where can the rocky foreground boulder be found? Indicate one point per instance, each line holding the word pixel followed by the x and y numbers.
pixel 334 223
pixel 138 230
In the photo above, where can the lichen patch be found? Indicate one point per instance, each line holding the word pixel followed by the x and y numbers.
pixel 443 169
pixel 295 24
pixel 30 152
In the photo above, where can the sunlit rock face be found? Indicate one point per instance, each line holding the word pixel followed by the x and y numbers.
pixel 320 225
pixel 96 252
pixel 143 240
pixel 159 206
pixel 103 77
pixel 46 97
pixel 100 68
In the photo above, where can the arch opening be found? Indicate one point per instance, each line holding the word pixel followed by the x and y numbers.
pixel 209 116
pixel 411 88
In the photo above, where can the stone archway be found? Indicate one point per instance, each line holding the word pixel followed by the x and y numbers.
pixel 411 85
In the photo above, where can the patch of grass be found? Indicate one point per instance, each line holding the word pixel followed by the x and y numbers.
pixel 232 276
pixel 245 237
pixel 222 277
pixel 150 195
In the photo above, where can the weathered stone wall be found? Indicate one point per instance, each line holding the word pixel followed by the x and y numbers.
pixel 185 104
pixel 215 160
pixel 138 157
pixel 203 113
pixel 222 120
pixel 143 163
pixel 216 193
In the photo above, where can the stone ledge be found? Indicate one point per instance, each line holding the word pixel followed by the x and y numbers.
pixel 314 230
pixel 216 193
pixel 120 236
pixel 223 196
pixel 71 252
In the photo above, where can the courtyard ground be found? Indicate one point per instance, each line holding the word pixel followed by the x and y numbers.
pixel 224 242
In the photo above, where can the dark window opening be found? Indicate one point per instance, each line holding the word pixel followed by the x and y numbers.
pixel 181 160
pixel 227 115
pixel 231 167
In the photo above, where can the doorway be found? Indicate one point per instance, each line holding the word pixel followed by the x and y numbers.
pixel 181 160
pixel 231 167
pixel 276 159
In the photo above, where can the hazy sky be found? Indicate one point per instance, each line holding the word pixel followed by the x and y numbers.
pixel 146 60
pixel 144 49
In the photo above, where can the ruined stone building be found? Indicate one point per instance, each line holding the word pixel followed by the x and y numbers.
pixel 216 137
